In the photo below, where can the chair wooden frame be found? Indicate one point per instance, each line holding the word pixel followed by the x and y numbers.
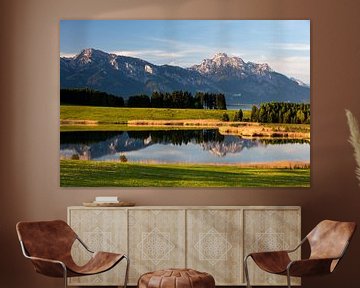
pixel 314 265
pixel 58 268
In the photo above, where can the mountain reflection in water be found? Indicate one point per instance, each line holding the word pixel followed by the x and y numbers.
pixel 174 146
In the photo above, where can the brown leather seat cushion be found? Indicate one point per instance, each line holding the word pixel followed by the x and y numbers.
pixel 176 278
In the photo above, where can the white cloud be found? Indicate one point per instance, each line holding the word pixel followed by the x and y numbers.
pixel 291 46
pixel 183 58
pixel 67 55
pixel 296 66
pixel 148 53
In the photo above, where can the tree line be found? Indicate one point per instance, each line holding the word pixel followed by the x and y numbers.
pixel 275 112
pixel 180 100
pixel 89 97
pixel 176 99
pixel 280 112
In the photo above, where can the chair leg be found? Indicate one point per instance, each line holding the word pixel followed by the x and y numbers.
pixel 65 276
pixel 288 278
pixel 246 270
pixel 127 271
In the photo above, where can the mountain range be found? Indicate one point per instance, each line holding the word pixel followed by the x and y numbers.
pixel 240 81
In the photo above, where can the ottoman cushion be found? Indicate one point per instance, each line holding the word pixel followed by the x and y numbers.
pixel 176 278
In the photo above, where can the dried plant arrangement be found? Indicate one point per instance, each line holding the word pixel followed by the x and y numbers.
pixel 354 139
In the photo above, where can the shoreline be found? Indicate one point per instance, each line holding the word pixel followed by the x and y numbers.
pixel 265 165
pixel 244 129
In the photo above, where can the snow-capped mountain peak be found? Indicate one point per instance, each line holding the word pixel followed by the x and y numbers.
pixel 222 64
pixel 84 56
pixel 89 55
pixel 220 55
pixel 126 76
pixel 301 83
pixel 222 59
pixel 219 61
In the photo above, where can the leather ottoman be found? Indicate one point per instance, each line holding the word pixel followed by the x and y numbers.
pixel 176 278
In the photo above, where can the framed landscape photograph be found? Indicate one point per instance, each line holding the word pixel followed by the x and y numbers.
pixel 185 103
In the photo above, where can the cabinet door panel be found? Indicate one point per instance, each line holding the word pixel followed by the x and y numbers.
pixel 214 244
pixel 100 230
pixel 157 240
pixel 270 230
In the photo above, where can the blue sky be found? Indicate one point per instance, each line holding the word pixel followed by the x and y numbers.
pixel 283 44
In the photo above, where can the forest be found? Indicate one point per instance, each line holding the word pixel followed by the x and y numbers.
pixel 176 99
pixel 280 112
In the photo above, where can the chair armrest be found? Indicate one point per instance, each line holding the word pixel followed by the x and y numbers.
pixel 267 254
pixel 309 267
pixel 48 267
pixel 271 261
pixel 279 251
pixel 45 260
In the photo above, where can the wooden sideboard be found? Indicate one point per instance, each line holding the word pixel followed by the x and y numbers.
pixel 212 239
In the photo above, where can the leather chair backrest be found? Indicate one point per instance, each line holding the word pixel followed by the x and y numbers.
pixel 46 239
pixel 329 239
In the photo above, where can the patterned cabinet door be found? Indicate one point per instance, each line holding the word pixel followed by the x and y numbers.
pixel 214 244
pixel 101 230
pixel 156 240
pixel 269 230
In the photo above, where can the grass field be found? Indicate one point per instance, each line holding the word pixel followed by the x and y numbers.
pixel 110 115
pixel 120 127
pixel 289 127
pixel 78 173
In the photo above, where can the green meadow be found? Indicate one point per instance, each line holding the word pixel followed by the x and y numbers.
pixel 81 173
pixel 111 115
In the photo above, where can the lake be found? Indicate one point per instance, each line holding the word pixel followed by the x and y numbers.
pixel 179 146
pixel 240 106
